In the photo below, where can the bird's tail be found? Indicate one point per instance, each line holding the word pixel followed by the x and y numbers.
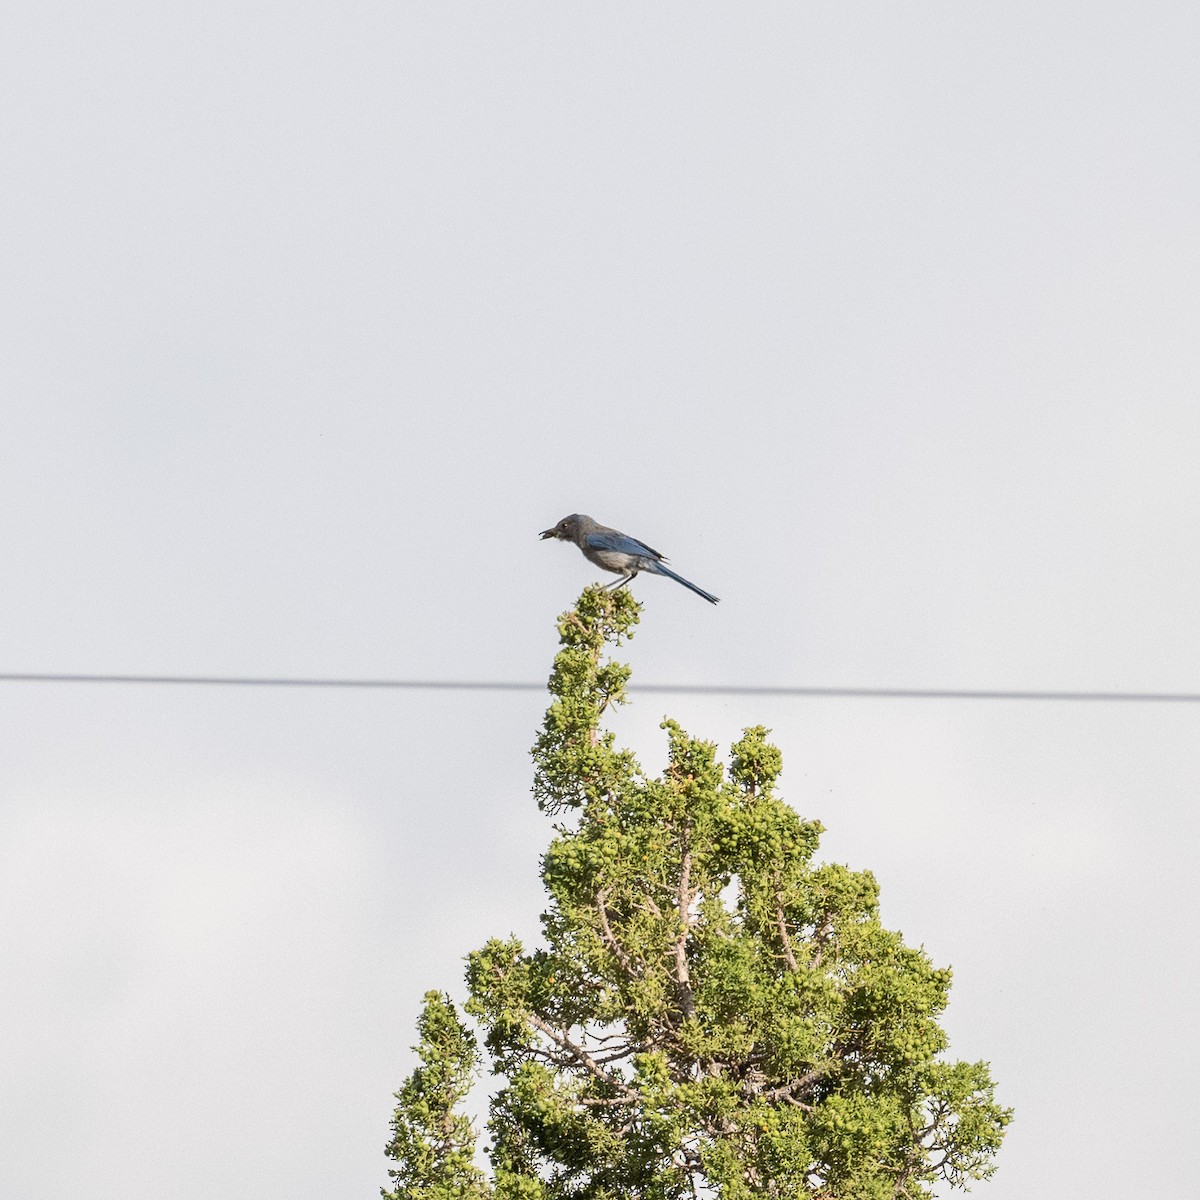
pixel 659 569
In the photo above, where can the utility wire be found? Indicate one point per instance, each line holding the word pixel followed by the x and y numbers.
pixel 699 689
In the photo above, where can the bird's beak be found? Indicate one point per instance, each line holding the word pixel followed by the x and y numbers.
pixel 546 533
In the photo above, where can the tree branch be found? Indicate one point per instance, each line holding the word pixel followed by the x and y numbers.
pixel 783 933
pixel 582 1057
pixel 606 935
pixel 682 976
pixel 797 1085
pixel 821 938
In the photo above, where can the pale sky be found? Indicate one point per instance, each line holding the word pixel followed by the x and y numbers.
pixel 879 319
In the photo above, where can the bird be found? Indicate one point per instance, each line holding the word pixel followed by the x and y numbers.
pixel 612 550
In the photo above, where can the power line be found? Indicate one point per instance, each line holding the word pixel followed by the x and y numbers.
pixel 485 685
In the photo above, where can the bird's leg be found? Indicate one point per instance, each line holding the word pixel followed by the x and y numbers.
pixel 621 582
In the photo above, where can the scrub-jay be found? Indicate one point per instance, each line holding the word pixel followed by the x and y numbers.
pixel 614 551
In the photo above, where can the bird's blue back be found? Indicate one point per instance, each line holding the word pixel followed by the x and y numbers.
pixel 621 543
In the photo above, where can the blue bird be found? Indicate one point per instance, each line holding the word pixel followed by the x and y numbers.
pixel 614 551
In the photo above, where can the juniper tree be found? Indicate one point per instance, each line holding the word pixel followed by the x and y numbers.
pixel 711 1012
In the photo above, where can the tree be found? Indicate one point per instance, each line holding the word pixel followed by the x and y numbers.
pixel 711 1013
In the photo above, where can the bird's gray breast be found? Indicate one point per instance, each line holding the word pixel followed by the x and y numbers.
pixel 617 561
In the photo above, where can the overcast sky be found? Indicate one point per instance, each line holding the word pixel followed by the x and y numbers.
pixel 879 319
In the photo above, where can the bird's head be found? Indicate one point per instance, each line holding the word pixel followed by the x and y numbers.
pixel 567 530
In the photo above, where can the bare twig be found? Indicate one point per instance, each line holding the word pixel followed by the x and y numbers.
pixel 617 1055
pixel 783 933
pixel 582 1057
pixel 821 939
pixel 610 1102
pixel 606 934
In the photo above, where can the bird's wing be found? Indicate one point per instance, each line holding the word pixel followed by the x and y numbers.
pixel 622 543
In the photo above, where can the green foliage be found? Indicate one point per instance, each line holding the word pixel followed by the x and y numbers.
pixel 712 1013
pixel 431 1143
